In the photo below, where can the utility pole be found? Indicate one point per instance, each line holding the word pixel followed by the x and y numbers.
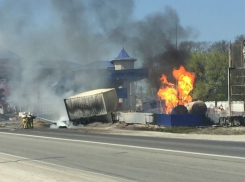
pixel 242 63
pixel 243 53
pixel 176 34
pixel 229 77
pixel 176 31
pixel 38 104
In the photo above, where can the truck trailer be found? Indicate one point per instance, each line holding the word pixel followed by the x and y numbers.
pixel 94 105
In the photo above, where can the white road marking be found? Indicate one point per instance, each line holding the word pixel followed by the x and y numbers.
pixel 128 146
pixel 80 170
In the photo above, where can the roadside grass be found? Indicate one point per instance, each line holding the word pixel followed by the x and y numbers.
pixel 210 130
pixel 173 129
pixel 179 129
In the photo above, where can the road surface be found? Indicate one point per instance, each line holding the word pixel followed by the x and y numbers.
pixel 106 157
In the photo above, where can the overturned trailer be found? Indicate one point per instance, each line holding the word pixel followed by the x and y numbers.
pixel 94 105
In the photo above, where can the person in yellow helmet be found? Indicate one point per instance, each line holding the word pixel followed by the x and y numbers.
pixel 29 120
pixel 31 117
pixel 24 120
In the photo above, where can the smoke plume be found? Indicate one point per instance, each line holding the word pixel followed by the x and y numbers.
pixel 82 32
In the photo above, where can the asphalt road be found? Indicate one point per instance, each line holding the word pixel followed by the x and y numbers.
pixel 129 157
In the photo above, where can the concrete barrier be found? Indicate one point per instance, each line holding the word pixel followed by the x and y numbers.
pixel 134 117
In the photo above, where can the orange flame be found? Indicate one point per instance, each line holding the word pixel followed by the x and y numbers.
pixel 173 96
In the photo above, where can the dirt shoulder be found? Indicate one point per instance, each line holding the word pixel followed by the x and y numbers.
pixel 235 134
pixel 211 130
pixel 121 128
pixel 111 127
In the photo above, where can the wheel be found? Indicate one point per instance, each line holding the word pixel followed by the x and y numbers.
pixel 227 121
pixel 231 121
pixel 221 121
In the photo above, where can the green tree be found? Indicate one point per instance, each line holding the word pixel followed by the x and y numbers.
pixel 191 46
pixel 236 55
pixel 210 68
pixel 221 46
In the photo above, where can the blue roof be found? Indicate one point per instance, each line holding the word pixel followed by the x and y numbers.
pixel 123 55
pixel 98 65
pixel 128 74
pixel 58 64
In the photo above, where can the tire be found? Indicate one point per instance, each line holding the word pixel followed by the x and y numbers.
pixel 221 121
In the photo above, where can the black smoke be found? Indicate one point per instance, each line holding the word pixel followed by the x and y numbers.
pixel 89 30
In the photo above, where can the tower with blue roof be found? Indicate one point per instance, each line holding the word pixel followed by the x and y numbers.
pixel 123 61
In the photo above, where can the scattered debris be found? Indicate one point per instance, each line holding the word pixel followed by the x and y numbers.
pixel 120 126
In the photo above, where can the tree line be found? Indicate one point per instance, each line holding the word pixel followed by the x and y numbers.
pixel 209 62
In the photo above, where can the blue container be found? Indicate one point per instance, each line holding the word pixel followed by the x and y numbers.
pixel 162 119
pixel 180 120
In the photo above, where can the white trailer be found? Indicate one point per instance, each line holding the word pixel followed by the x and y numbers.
pixel 91 105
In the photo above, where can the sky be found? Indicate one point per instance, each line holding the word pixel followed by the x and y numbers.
pixel 214 20
pixel 90 30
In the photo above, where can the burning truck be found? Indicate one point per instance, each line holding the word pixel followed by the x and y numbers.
pixel 6 111
pixel 94 105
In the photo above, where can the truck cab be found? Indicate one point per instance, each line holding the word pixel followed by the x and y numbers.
pixel 1 109
pixel 6 111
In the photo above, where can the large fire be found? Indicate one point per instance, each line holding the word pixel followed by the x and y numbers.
pixel 180 95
